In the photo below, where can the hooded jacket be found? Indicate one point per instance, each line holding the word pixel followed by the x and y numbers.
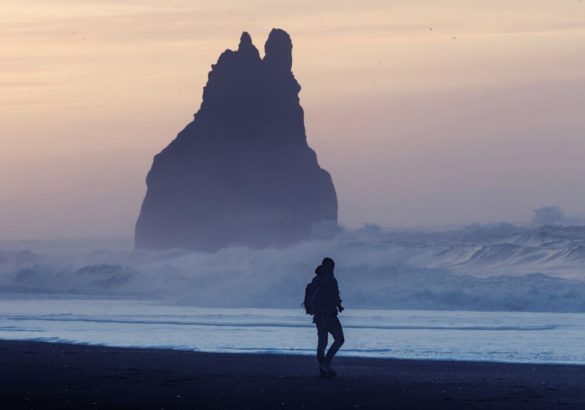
pixel 326 298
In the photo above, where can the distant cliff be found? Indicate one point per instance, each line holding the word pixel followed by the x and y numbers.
pixel 242 173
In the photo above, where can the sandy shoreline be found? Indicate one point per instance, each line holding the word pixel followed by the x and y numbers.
pixel 37 375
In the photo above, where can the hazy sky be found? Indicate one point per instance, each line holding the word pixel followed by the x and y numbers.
pixel 425 112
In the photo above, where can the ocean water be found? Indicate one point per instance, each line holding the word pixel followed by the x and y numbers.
pixel 524 337
pixel 489 293
pixel 482 268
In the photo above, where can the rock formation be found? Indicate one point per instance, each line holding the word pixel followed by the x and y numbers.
pixel 241 173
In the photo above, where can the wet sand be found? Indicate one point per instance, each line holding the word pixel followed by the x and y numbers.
pixel 44 376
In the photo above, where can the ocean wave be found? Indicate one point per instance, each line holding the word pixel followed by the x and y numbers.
pixel 260 323
pixel 477 268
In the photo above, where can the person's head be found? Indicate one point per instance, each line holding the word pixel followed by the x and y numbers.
pixel 328 264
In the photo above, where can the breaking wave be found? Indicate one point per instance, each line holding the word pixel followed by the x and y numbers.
pixel 477 268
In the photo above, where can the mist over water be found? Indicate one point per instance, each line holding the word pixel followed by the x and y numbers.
pixel 499 267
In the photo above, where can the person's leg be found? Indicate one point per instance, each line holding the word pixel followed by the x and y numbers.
pixel 336 330
pixel 322 335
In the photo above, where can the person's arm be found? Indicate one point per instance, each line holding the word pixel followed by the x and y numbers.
pixel 337 297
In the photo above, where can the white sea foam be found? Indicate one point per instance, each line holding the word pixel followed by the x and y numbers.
pixel 478 268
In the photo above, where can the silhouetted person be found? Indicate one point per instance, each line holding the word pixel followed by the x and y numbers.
pixel 326 305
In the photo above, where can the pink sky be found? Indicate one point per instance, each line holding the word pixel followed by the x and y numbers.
pixel 426 113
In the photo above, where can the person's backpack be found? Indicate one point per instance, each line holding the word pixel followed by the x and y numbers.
pixel 310 291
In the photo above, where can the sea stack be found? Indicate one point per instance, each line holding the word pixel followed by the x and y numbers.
pixel 241 173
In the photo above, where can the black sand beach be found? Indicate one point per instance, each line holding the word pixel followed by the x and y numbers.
pixel 42 376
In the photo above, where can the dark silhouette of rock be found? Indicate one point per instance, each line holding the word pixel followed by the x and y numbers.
pixel 242 173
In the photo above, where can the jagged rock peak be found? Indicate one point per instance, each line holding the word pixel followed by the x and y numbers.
pixel 246 48
pixel 245 40
pixel 242 173
pixel 278 50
